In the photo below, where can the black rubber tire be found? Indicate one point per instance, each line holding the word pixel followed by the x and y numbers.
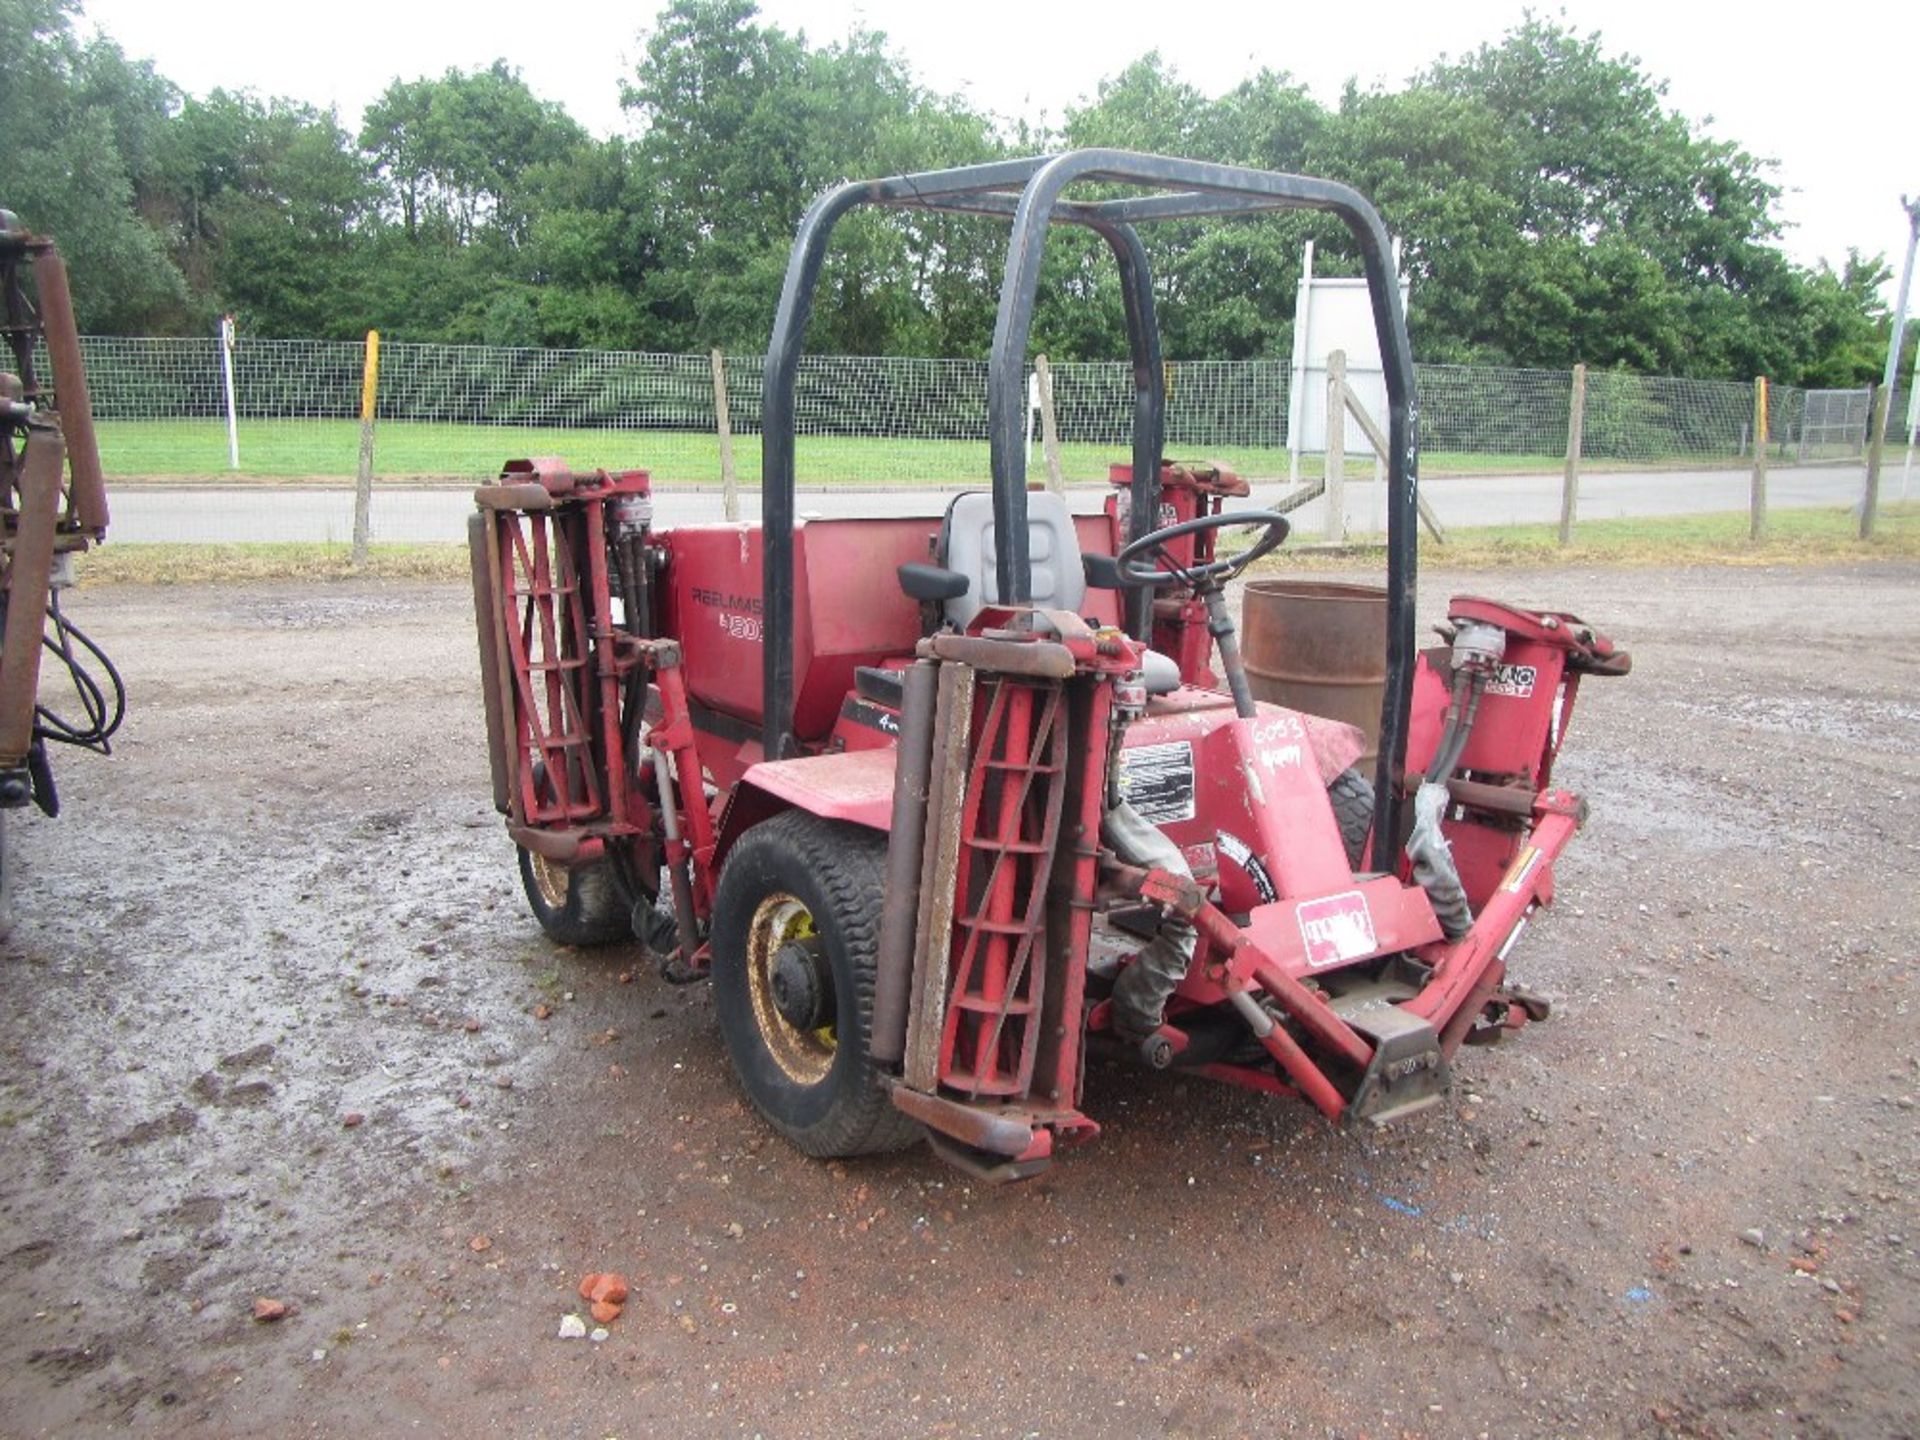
pixel 1351 795
pixel 593 910
pixel 835 871
pixel 6 867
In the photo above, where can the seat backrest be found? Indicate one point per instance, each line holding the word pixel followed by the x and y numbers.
pixel 967 545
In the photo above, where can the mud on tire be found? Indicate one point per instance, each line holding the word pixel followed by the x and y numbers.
pixel 582 905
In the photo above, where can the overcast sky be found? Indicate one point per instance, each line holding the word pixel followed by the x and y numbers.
pixel 1828 93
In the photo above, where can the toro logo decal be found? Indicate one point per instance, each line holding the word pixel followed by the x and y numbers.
pixel 1514 680
pixel 1337 928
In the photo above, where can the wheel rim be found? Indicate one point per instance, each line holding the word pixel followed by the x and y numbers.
pixel 551 880
pixel 804 1055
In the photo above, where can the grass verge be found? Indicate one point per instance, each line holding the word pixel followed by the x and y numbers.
pixel 1795 537
pixel 115 564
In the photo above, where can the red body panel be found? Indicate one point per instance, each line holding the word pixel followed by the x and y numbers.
pixel 1516 712
pixel 1257 792
pixel 855 786
pixel 848 610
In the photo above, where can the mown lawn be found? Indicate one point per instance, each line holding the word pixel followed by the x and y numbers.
pixel 328 451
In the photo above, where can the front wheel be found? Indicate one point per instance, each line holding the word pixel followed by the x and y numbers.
pixel 795 926
pixel 576 905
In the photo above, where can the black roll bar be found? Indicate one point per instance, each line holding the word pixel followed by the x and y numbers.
pixel 1030 193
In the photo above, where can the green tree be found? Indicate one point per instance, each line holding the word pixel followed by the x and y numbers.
pixel 1224 290
pixel 453 152
pixel 1662 234
pixel 268 204
pixel 80 122
pixel 1846 326
pixel 743 125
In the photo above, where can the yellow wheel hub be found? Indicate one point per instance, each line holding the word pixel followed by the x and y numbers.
pixel 551 880
pixel 805 1055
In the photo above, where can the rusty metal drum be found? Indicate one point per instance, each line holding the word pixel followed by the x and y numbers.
pixel 1318 646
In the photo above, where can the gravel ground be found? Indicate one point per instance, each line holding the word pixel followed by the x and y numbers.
pixel 1684 1207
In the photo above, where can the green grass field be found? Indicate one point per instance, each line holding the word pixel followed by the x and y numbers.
pixel 327 451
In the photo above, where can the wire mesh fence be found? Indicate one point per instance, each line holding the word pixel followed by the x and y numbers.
pixel 449 415
pixel 1481 411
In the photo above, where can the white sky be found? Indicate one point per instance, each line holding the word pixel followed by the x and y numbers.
pixel 1826 93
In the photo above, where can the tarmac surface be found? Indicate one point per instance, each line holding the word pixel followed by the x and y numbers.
pixel 187 514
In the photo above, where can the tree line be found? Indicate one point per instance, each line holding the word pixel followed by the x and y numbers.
pixel 1550 206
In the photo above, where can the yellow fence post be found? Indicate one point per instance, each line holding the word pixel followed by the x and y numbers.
pixel 363 485
pixel 1757 496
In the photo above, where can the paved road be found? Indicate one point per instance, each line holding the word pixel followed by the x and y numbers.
pixel 281 514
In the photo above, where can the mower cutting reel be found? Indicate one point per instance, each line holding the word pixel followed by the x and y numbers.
pixel 944 802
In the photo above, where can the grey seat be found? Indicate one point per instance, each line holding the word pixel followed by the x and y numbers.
pixel 967 546
pixel 1053 552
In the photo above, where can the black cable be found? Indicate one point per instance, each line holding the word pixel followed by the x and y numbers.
pixel 103 715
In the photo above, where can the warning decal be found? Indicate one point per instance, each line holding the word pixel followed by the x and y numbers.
pixel 1521 868
pixel 1157 780
pixel 1241 854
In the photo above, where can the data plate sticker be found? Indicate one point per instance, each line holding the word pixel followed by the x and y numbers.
pixel 1337 928
pixel 1157 780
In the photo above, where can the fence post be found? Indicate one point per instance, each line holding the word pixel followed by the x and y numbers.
pixel 1576 434
pixel 1336 460
pixel 363 478
pixel 1757 492
pixel 226 377
pixel 723 419
pixel 1049 426
pixel 1876 444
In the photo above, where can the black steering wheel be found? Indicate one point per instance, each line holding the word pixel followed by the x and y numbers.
pixel 1220 568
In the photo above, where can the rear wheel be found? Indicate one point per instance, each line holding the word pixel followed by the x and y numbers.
pixel 1351 795
pixel 576 905
pixel 6 873
pixel 795 926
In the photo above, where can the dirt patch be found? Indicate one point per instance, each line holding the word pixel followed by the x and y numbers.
pixel 1684 1207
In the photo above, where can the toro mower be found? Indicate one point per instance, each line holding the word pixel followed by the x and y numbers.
pixel 940 804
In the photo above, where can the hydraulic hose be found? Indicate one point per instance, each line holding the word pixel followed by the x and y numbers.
pixel 1427 848
pixel 104 700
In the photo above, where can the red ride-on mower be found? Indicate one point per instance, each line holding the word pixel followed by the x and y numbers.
pixel 939 802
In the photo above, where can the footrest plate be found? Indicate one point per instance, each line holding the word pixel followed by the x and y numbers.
pixel 1408 1072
